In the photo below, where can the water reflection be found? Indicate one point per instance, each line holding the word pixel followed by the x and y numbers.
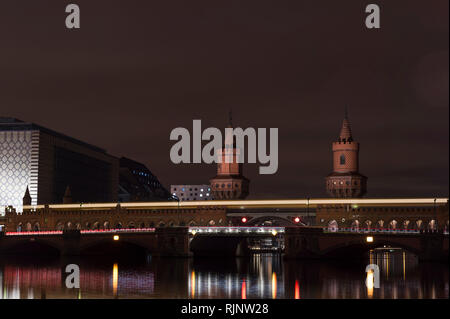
pixel 262 276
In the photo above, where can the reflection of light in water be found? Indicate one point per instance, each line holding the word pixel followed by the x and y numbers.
pixel 193 284
pixel 229 285
pixel 30 293
pixel 297 290
pixel 115 278
pixel 404 266
pixel 209 284
pixel 261 285
pixel 199 286
pixel 369 282
pixel 16 286
pixel 243 290
pixel 274 285
pixel 1 285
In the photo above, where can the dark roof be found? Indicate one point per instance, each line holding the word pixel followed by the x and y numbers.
pixel 13 124
pixel 129 163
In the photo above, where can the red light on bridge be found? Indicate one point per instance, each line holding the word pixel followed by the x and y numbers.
pixel 244 219
pixel 297 220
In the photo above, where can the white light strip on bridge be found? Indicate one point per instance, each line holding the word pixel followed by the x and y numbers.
pixel 251 203
pixel 239 229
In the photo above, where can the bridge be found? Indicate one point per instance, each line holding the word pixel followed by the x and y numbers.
pixel 294 242
pixel 393 213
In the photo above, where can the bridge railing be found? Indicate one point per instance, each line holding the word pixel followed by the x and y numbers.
pixel 236 230
pixel 34 233
pixel 118 230
pixel 84 231
pixel 379 230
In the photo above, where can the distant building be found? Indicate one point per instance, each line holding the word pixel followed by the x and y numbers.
pixel 345 181
pixel 137 183
pixel 40 164
pixel 191 192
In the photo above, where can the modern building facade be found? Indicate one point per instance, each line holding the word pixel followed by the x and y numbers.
pixel 47 163
pixel 345 181
pixel 138 184
pixel 191 192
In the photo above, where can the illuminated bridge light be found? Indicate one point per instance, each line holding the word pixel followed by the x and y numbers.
pixel 225 229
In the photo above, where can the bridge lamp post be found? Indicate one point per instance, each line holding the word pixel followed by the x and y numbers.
pixel 369 239
pixel 116 237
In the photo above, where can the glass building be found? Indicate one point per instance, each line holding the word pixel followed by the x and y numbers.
pixel 47 162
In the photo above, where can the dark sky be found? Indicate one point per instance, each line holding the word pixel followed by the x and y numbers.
pixel 137 69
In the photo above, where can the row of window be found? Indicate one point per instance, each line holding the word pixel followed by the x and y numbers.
pixel 228 185
pixel 190 189
pixel 195 194
pixel 342 183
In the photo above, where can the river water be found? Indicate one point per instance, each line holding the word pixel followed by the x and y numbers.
pixel 259 276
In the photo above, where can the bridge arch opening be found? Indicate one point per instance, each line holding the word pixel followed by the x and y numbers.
pixel 432 225
pixel 36 247
pixel 419 224
pixel 360 250
pixel 380 224
pixel 113 249
pixel 274 221
pixel 406 224
pixel 393 224
pixel 333 226
pixel 192 223
pixel 355 225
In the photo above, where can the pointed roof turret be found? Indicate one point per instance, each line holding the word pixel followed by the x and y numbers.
pixel 346 131
pixel 67 199
pixel 27 197
pixel 230 118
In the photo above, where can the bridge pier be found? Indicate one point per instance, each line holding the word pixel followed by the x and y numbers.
pixel 302 242
pixel 172 242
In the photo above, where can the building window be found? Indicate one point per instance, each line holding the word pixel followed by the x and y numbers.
pixel 342 159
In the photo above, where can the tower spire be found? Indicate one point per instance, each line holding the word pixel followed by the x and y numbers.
pixel 26 200
pixel 346 131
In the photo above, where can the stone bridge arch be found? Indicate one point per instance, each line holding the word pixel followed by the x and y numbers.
pixel 31 246
pixel 358 247
pixel 107 246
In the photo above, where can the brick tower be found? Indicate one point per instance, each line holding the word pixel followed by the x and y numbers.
pixel 229 183
pixel 345 180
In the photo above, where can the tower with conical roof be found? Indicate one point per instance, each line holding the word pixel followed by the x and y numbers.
pixel 229 183
pixel 26 200
pixel 345 181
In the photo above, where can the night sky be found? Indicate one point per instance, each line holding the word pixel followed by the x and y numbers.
pixel 137 69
